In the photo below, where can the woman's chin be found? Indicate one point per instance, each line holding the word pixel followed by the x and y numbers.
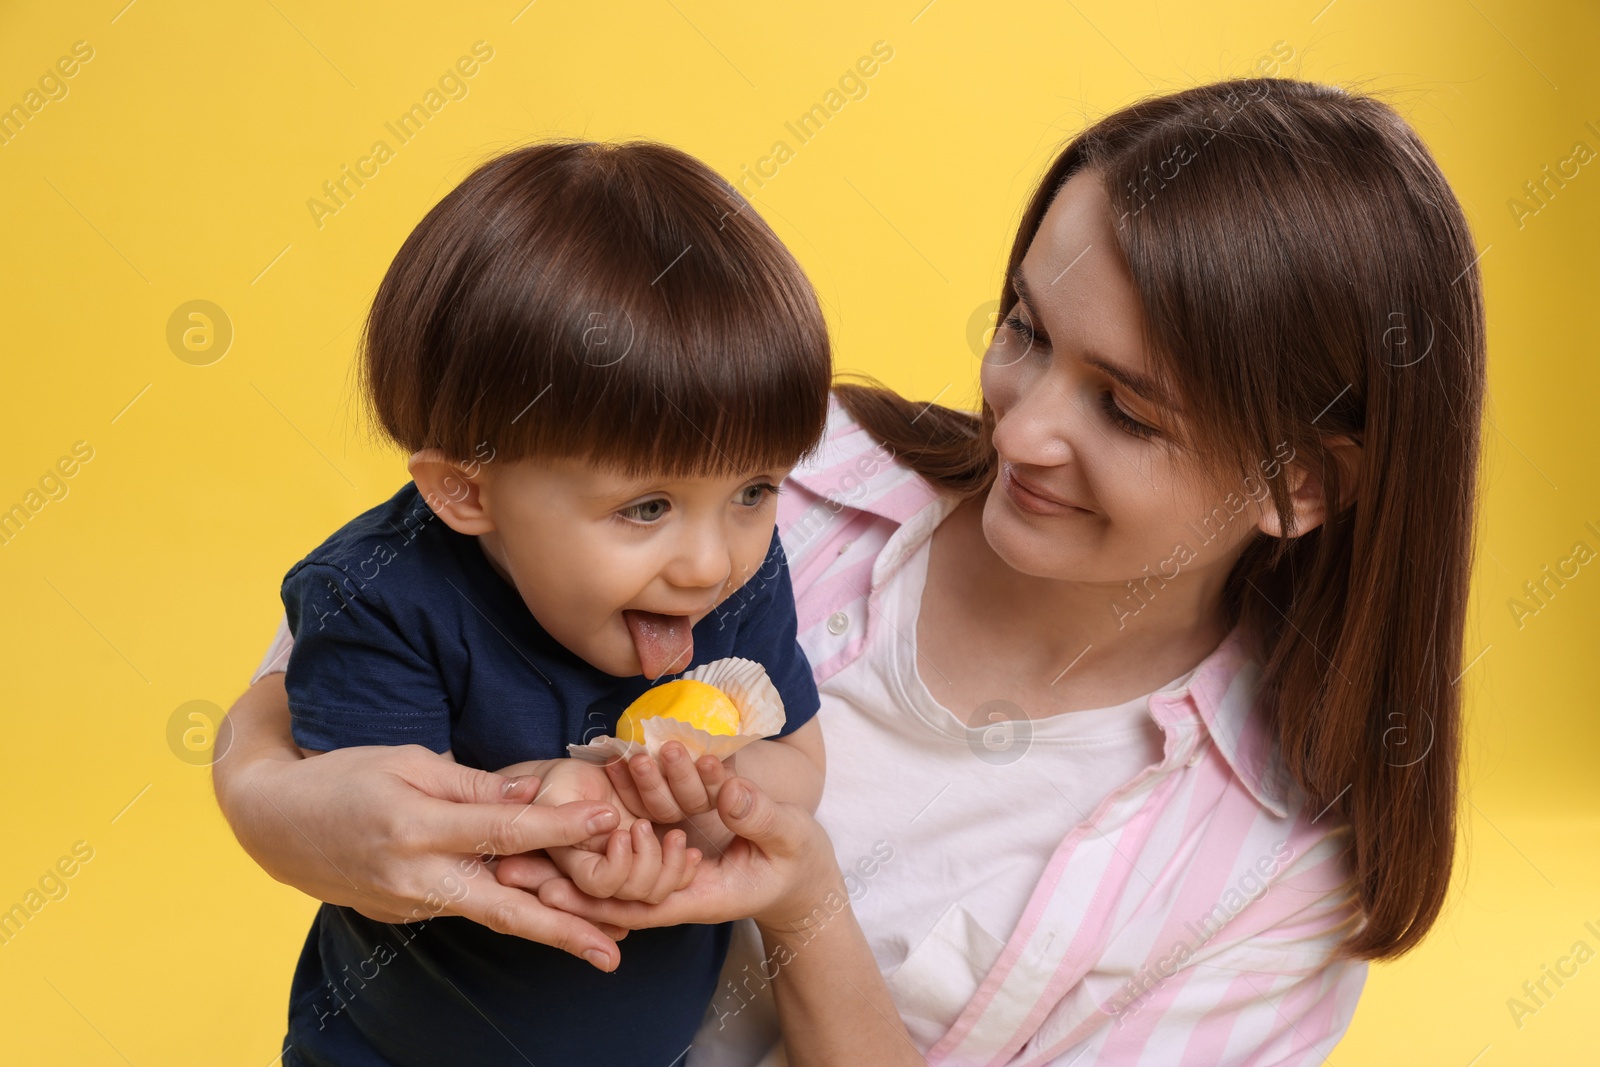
pixel 1040 549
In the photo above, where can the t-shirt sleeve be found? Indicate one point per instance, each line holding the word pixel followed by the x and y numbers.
pixel 353 678
pixel 766 634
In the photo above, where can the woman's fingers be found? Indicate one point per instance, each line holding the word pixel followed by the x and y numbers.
pixel 381 916
pixel 562 894
pixel 754 816
pixel 520 789
pixel 506 829
pixel 514 911
pixel 446 779
pixel 528 872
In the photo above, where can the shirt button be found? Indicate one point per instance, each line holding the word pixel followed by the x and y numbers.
pixel 838 623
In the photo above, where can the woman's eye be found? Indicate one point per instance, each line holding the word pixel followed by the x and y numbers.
pixel 1031 341
pixel 1022 329
pixel 752 495
pixel 1122 419
pixel 647 511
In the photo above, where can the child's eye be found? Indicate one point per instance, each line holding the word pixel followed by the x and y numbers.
pixel 751 496
pixel 646 511
pixel 1114 412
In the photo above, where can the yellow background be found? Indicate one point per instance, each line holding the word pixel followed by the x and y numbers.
pixel 179 167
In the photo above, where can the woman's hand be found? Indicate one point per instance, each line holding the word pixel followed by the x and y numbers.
pixel 779 869
pixel 400 833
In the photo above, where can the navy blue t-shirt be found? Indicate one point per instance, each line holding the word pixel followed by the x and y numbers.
pixel 404 633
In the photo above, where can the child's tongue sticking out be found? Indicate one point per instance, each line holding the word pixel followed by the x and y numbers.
pixel 665 642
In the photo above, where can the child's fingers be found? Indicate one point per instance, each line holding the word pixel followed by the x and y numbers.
pixel 694 856
pixel 666 886
pixel 622 781
pixel 713 773
pixel 601 876
pixel 653 789
pixel 684 780
pixel 674 860
pixel 641 879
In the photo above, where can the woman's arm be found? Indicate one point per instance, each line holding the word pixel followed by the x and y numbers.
pixel 833 1005
pixel 397 833
pixel 832 1002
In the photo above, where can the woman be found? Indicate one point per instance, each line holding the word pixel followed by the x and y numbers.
pixel 1137 688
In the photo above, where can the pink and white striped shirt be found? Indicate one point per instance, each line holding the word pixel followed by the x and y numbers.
pixel 1192 917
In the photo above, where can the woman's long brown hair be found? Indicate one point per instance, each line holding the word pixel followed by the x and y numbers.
pixel 1306 272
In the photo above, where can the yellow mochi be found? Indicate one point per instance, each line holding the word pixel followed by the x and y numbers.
pixel 686 700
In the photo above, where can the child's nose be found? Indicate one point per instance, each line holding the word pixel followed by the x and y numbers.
pixel 702 562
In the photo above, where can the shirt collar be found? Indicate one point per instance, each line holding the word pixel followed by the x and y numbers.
pixel 850 468
pixel 1222 691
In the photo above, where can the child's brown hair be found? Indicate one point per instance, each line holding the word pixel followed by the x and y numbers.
pixel 613 302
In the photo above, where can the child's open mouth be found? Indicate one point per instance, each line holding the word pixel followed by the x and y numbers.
pixel 665 643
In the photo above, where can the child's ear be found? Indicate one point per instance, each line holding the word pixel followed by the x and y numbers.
pixel 450 491
pixel 1307 495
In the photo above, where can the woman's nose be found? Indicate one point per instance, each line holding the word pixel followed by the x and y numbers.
pixel 1037 427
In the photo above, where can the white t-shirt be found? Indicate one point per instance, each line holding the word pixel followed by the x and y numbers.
pixel 942 829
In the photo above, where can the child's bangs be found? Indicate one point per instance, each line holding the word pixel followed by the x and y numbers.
pixel 615 302
pixel 689 390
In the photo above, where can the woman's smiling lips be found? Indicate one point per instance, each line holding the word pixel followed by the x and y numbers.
pixel 1031 498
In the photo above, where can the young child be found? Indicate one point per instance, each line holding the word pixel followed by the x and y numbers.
pixel 604 365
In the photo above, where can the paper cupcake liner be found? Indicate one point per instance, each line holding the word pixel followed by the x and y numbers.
pixel 746 684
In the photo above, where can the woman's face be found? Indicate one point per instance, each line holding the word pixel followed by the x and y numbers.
pixel 1091 487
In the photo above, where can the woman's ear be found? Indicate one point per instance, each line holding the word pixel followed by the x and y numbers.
pixel 1308 496
pixel 452 493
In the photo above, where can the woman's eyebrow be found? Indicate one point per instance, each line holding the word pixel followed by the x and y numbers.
pixel 1024 294
pixel 1140 384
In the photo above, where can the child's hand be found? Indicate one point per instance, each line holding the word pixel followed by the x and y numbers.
pixel 634 866
pixel 675 790
pixel 671 789
pixel 629 863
